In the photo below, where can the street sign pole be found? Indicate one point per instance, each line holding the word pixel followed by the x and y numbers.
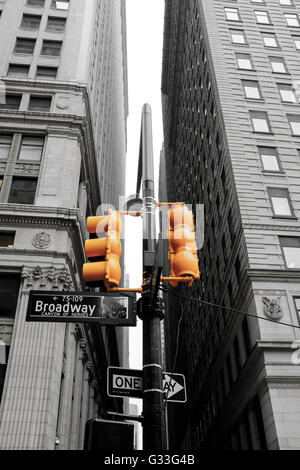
pixel 153 397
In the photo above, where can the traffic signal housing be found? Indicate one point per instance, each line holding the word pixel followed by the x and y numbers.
pixel 104 253
pixel 182 245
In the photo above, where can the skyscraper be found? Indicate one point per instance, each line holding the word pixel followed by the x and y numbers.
pixel 232 142
pixel 63 111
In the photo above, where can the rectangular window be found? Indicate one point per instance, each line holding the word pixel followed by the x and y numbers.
pixel 18 70
pixel 36 3
pixel 297 305
pixel 291 251
pixel 238 36
pixel 260 121
pixel 24 46
pixel 9 291
pixel 294 121
pixel 7 239
pixel 297 42
pixel 5 145
pixel 292 20
pixel 40 103
pixel 244 61
pixel 269 158
pixel 31 148
pixel 52 48
pixel 288 3
pixel 1 181
pixel 287 93
pixel 281 202
pixel 46 72
pixel 60 5
pixel 232 14
pixel 56 24
pixel 262 17
pixel 252 89
pixel 31 21
pixel 270 40
pixel 278 65
pixel 22 190
pixel 11 101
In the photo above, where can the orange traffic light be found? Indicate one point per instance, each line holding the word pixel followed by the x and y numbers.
pixel 182 245
pixel 104 253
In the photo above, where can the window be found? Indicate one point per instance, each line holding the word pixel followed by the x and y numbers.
pixel 1 181
pixel 262 17
pixel 9 291
pixel 252 89
pixel 31 148
pixel 39 103
pixel 244 61
pixel 294 121
pixel 281 202
pixel 56 24
pixel 287 3
pixel 5 145
pixel 270 40
pixel 24 46
pixel 60 5
pixel 278 65
pixel 291 251
pixel 7 239
pixel 11 101
pixel 46 72
pixel 269 158
pixel 22 190
pixel 292 19
pixel 258 1
pixel 297 305
pixel 297 42
pixel 36 3
pixel 260 121
pixel 287 93
pixel 232 14
pixel 31 21
pixel 238 36
pixel 18 70
pixel 51 48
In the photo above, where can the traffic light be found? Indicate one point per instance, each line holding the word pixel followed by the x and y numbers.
pixel 182 244
pixel 103 253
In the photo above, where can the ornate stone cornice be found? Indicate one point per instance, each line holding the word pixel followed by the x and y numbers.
pixel 51 277
pixel 272 227
pixel 27 84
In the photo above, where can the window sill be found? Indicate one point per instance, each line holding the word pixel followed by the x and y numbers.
pixel 262 133
pixel 284 217
pixel 273 172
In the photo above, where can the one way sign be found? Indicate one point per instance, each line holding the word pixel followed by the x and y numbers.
pixel 174 387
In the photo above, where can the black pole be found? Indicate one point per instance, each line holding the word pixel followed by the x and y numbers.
pixel 153 402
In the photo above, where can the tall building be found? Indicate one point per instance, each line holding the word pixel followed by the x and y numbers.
pixel 232 142
pixel 63 111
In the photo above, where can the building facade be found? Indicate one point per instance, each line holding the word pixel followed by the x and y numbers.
pixel 63 111
pixel 232 142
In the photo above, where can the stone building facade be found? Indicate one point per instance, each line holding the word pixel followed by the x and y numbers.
pixel 63 111
pixel 232 142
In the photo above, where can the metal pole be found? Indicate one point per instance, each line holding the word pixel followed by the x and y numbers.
pixel 153 402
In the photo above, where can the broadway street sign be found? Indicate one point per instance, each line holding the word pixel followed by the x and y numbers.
pixel 129 383
pixel 107 308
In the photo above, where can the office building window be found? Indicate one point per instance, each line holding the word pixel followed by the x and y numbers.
pixel 5 145
pixel 232 14
pixel 24 46
pixel 244 61
pixel 260 121
pixel 9 291
pixel 291 251
pixel 294 121
pixel 286 3
pixel 46 72
pixel 292 20
pixel 287 93
pixel 60 4
pixel 11 101
pixel 31 148
pixel 7 239
pixel 238 36
pixel 258 1
pixel 40 103
pixel 18 70
pixel 36 3
pixel 52 48
pixel 262 17
pixel 22 190
pixel 1 181
pixel 31 21
pixel 297 42
pixel 281 202
pixel 251 89
pixel 56 24
pixel 297 305
pixel 278 65
pixel 269 158
pixel 270 40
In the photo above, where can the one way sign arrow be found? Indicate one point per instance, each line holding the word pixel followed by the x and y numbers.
pixel 174 387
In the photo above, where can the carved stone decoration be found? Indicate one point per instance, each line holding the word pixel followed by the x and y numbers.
pixel 41 240
pixel 272 308
pixel 55 278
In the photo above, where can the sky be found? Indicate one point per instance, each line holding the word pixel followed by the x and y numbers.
pixel 144 54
